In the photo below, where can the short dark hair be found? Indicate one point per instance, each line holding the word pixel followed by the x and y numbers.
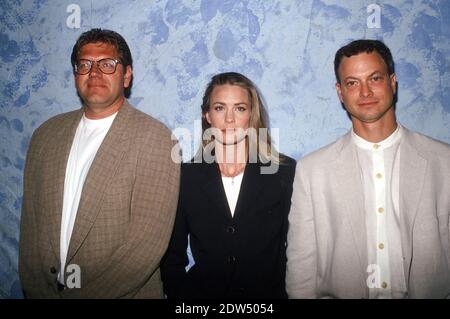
pixel 113 38
pixel 368 46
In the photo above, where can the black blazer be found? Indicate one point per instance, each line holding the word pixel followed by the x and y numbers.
pixel 235 257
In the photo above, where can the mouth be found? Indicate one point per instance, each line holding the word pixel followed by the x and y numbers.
pixel 96 85
pixel 228 130
pixel 367 103
pixel 233 131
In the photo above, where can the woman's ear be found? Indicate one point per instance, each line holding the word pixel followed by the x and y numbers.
pixel 206 115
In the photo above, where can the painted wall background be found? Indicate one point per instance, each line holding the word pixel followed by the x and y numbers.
pixel 286 47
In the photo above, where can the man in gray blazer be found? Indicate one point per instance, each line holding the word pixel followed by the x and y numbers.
pixel 370 212
pixel 100 187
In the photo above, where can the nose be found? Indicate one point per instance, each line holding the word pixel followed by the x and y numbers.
pixel 365 90
pixel 94 71
pixel 229 116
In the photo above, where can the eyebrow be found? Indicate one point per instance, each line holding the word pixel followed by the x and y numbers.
pixel 89 57
pixel 222 103
pixel 356 78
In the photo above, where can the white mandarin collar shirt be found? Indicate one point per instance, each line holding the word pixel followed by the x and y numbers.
pixel 379 165
pixel 387 142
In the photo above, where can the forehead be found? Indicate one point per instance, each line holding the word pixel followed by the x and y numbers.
pixel 361 64
pixel 98 49
pixel 230 92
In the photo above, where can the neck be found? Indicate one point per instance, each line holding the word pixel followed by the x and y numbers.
pixel 97 113
pixel 376 131
pixel 231 155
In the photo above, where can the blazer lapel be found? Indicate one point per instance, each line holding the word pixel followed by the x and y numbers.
pixel 348 176
pixel 213 188
pixel 412 176
pixel 57 156
pixel 101 172
pixel 252 183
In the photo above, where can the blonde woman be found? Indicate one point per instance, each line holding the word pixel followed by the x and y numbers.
pixel 233 204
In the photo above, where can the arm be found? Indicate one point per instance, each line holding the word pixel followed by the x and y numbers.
pixel 28 243
pixel 301 250
pixel 174 262
pixel 152 211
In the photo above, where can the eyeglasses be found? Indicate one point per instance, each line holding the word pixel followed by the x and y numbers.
pixel 106 66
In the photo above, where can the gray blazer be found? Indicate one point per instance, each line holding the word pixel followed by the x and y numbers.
pixel 327 245
pixel 125 216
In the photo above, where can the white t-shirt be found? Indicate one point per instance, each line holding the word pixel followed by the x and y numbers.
pixel 88 138
pixel 232 186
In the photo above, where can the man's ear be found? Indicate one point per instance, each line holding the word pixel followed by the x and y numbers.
pixel 128 75
pixel 339 92
pixel 393 78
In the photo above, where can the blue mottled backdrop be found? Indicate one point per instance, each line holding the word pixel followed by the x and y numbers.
pixel 285 47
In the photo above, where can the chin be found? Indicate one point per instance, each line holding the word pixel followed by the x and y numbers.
pixel 369 119
pixel 226 142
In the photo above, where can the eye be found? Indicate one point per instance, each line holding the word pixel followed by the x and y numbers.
pixel 84 64
pixel 241 108
pixel 107 63
pixel 351 83
pixel 377 78
pixel 218 108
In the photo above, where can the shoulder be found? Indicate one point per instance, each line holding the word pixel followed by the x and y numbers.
pixel 428 147
pixel 287 161
pixel 151 136
pixel 195 173
pixel 287 166
pixel 57 121
pixel 286 170
pixel 192 168
pixel 145 124
pixel 324 155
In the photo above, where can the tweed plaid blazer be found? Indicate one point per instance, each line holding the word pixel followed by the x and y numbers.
pixel 125 216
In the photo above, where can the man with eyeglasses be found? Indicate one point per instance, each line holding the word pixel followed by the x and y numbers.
pixel 100 187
